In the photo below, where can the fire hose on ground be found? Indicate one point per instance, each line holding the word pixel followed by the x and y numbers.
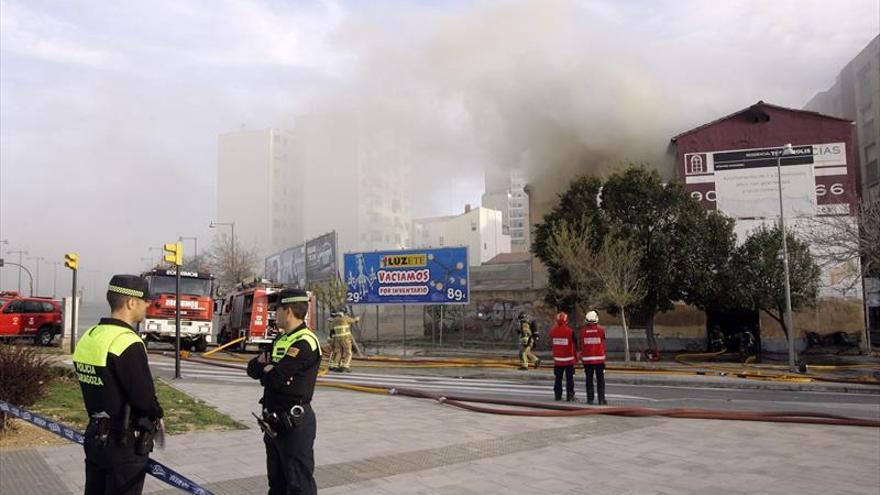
pixel 538 409
pixel 713 369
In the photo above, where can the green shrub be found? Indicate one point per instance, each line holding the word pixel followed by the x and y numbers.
pixel 23 376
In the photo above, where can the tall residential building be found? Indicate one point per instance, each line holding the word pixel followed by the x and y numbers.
pixel 505 192
pixel 480 229
pixel 257 173
pixel 855 96
pixel 357 182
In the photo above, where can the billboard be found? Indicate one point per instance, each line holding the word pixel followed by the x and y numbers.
pixel 314 261
pixel 743 183
pixel 414 276
pixel 320 254
pixel 273 267
pixel 293 270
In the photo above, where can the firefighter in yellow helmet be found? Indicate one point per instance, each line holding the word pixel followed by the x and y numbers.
pixel 117 388
pixel 528 334
pixel 341 341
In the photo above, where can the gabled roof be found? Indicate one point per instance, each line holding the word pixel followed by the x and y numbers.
pixel 757 111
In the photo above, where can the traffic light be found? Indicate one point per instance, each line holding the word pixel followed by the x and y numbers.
pixel 71 260
pixel 174 253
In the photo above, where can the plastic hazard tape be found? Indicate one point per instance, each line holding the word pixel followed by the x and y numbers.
pixel 155 469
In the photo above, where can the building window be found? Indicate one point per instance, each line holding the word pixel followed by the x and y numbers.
pixel 486 246
pixel 441 241
pixel 868 131
pixel 873 171
pixel 473 226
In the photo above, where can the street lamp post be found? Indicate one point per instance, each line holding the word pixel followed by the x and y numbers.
pixel 792 365
pixel 231 225
pixel 19 253
pixel 38 259
pixel 2 241
pixel 54 278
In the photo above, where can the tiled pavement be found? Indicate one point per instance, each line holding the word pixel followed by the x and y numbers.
pixel 372 444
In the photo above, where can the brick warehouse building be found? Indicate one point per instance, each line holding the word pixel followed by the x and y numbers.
pixel 730 165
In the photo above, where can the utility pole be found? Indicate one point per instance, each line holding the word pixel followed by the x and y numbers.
pixel 792 362
pixel 19 253
pixel 38 259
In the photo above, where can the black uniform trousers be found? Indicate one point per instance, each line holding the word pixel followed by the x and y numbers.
pixel 290 458
pixel 568 371
pixel 113 469
pixel 599 370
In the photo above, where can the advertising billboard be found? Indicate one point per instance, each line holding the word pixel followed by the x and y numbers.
pixel 320 256
pixel 744 183
pixel 414 276
pixel 314 261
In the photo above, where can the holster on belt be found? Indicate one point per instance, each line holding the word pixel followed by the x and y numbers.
pixel 145 431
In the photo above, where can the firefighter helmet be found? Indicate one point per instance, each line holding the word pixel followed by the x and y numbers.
pixel 522 317
pixel 592 317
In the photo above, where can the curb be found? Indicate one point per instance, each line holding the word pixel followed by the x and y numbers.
pixel 744 384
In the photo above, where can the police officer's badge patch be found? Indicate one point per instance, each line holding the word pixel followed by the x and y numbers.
pixel 293 351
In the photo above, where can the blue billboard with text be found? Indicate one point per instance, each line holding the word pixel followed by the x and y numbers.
pixel 414 276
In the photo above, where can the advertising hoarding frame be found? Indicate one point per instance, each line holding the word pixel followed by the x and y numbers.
pixel 466 295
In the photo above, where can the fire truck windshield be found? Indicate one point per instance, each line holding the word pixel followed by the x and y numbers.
pixel 191 286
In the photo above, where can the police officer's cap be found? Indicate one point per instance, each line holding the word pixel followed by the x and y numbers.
pixel 290 296
pixel 129 285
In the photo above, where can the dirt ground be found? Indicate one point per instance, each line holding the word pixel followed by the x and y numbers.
pixel 21 435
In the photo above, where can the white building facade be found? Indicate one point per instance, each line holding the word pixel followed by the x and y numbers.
pixel 480 229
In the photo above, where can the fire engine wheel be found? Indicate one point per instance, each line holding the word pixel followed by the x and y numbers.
pixel 44 336
pixel 200 345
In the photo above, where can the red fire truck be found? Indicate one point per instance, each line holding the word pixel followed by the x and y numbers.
pixel 196 308
pixel 249 311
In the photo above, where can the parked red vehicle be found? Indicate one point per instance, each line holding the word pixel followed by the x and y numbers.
pixel 32 317
pixel 249 311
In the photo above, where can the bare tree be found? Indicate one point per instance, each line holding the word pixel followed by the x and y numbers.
pixel 569 247
pixel 231 264
pixel 617 268
pixel 844 240
pixel 330 293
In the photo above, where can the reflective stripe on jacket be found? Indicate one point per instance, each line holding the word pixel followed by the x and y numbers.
pixel 592 343
pixel 564 349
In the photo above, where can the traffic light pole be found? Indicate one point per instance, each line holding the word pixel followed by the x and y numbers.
pixel 177 325
pixel 73 315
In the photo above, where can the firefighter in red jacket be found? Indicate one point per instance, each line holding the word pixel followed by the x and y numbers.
pixel 592 342
pixel 564 357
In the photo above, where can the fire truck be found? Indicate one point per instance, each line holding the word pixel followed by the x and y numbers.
pixel 196 308
pixel 249 311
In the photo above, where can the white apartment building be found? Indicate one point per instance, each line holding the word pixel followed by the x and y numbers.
pixel 480 229
pixel 505 192
pixel 256 189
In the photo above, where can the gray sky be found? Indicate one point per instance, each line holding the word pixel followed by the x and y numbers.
pixel 109 112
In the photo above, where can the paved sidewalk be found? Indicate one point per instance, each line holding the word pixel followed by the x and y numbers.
pixel 376 444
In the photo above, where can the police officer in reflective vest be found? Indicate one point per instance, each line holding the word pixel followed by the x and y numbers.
pixel 341 341
pixel 117 388
pixel 288 376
